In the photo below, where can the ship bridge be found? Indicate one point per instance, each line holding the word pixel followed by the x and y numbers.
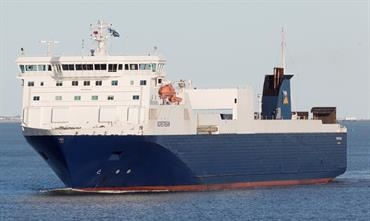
pixel 90 66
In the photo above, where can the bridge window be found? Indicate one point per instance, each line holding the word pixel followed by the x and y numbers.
pixel 31 68
pixel 80 67
pixel 142 66
pixel 68 67
pixel 21 67
pixel 112 67
pixel 100 66
pixel 145 66
pixel 133 67
pixel 154 67
pixel 41 67
pixel 57 68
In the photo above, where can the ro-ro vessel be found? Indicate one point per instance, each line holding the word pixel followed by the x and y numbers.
pixel 117 123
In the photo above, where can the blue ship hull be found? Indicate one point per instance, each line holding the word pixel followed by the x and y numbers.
pixel 179 162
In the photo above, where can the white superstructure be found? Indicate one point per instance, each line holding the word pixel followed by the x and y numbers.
pixel 130 95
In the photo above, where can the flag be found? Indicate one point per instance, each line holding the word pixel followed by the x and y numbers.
pixel 113 32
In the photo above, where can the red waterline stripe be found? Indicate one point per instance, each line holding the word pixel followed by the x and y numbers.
pixel 203 187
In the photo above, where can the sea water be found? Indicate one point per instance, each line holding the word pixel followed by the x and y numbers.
pixel 25 181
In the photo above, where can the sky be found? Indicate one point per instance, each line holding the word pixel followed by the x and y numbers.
pixel 214 43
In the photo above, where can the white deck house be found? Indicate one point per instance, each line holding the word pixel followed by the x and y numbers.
pixel 119 95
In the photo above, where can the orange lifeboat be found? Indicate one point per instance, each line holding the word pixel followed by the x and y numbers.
pixel 168 92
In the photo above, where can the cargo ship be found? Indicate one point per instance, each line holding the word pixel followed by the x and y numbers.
pixel 116 123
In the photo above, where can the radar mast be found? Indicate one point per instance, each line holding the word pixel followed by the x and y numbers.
pixel 100 34
pixel 282 48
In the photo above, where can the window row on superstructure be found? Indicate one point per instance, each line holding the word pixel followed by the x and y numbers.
pixel 78 97
pixel 86 83
pixel 90 67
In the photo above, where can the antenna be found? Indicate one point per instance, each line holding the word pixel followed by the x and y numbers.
pixel 49 46
pixel 82 47
pixel 282 48
pixel 100 34
pixel 155 49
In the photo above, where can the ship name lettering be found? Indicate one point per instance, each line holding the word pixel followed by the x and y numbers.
pixel 163 124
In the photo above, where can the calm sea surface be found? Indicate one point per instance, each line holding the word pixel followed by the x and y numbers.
pixel 24 177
